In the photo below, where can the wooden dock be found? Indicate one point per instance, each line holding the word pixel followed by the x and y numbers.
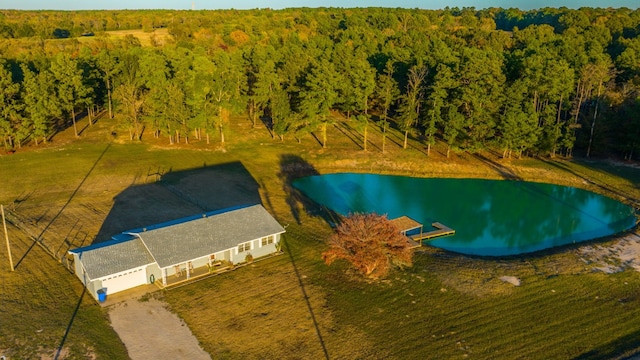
pixel 441 230
pixel 406 224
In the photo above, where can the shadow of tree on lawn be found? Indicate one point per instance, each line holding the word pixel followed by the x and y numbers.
pixel 626 347
pixel 293 167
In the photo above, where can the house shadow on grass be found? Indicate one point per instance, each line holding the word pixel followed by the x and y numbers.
pixel 180 194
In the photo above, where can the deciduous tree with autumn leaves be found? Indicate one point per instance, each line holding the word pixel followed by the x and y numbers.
pixel 371 243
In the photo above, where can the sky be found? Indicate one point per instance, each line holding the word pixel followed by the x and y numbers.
pixel 280 4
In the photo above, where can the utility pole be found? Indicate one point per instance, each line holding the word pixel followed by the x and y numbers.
pixel 6 236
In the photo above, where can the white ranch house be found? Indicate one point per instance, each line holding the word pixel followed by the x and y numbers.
pixel 177 248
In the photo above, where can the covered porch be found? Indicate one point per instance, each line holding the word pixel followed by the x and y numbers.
pixel 195 268
pixel 185 274
pixel 201 272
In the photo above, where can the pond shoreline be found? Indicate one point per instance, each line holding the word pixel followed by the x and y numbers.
pixel 491 217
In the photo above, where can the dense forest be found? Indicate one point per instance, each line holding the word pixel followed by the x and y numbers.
pixel 544 82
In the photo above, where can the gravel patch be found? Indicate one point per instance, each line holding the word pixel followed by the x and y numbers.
pixel 150 331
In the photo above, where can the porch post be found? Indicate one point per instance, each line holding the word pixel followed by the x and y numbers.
pixel 188 270
pixel 164 277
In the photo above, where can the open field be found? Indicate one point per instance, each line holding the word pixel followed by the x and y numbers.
pixel 72 192
pixel 156 37
pixel 44 311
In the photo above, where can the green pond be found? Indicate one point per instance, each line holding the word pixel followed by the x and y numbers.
pixel 490 217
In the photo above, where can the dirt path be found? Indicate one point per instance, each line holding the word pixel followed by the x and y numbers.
pixel 150 331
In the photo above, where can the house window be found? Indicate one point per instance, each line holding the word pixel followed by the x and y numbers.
pixel 244 247
pixel 267 240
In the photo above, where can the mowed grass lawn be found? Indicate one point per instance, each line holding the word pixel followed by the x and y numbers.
pixel 292 306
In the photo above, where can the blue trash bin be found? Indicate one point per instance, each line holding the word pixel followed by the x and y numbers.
pixel 102 295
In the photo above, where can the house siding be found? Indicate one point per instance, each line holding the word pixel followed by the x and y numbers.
pixel 93 287
pixel 154 270
pixel 257 249
pixel 79 270
pixel 130 278
pixel 203 261
pixel 240 256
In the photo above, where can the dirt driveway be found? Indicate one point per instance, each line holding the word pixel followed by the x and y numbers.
pixel 150 331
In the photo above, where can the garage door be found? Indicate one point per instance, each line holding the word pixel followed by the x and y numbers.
pixel 125 281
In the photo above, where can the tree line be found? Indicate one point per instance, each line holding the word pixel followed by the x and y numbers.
pixel 541 82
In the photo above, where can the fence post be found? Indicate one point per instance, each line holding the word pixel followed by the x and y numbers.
pixel 6 236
